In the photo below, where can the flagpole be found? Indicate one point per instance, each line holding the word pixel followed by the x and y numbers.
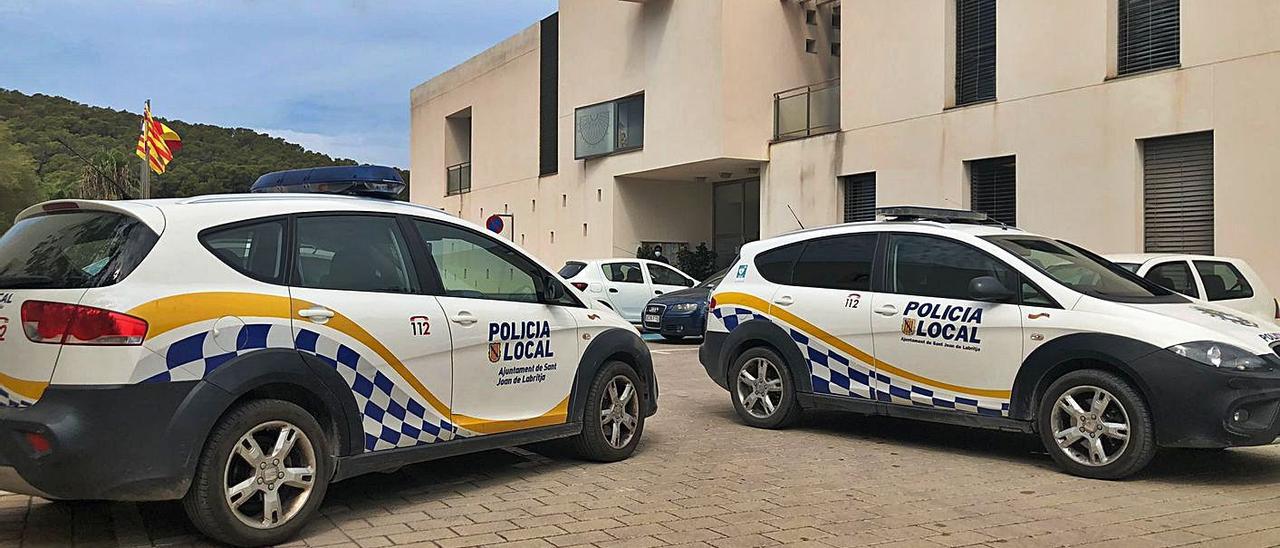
pixel 146 153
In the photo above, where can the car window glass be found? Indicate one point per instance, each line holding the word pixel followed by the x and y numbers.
pixel 623 272
pixel 1032 296
pixel 777 265
pixel 252 249
pixel 475 266
pixel 1174 275
pixel 937 267
pixel 72 250
pixel 354 253
pixel 1223 281
pixel 711 282
pixel 1131 267
pixel 571 269
pixel 665 276
pixel 1080 270
pixel 840 262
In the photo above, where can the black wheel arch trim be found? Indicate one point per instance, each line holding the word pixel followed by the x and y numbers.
pixel 1055 358
pixel 606 345
pixel 749 334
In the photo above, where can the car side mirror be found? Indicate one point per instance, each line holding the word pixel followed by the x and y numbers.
pixel 552 291
pixel 989 289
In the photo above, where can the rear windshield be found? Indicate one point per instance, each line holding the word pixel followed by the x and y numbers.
pixel 72 250
pixel 571 269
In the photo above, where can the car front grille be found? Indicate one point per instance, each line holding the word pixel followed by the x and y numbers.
pixel 654 309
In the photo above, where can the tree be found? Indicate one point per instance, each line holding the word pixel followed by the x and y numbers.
pixel 699 263
pixel 18 182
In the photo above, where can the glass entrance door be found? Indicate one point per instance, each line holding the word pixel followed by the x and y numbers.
pixel 737 218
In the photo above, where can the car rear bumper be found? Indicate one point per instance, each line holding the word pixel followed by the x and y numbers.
pixel 1197 406
pixel 99 443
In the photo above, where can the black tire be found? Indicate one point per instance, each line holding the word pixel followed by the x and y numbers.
pixel 673 338
pixel 1132 455
pixel 786 411
pixel 592 443
pixel 206 502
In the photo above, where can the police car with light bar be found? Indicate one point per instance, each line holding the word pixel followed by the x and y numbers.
pixel 241 352
pixel 943 315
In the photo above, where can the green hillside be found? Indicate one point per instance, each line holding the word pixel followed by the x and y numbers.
pixel 34 165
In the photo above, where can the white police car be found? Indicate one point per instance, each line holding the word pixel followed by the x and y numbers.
pixel 939 315
pixel 241 352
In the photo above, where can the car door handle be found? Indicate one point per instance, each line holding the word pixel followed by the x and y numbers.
pixel 613 290
pixel 887 310
pixel 784 300
pixel 463 318
pixel 657 292
pixel 318 314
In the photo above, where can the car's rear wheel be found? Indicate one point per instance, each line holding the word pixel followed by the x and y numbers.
pixel 613 418
pixel 763 393
pixel 1096 425
pixel 263 472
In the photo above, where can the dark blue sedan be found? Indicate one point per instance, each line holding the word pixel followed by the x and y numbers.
pixel 683 313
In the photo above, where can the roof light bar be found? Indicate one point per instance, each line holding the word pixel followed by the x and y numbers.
pixel 916 213
pixel 363 180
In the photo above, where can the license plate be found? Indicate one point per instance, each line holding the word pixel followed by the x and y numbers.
pixel 653 318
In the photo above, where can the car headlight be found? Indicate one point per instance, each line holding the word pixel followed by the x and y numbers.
pixel 685 307
pixel 1221 355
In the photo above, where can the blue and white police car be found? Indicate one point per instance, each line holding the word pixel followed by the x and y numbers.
pixel 241 352
pixel 944 316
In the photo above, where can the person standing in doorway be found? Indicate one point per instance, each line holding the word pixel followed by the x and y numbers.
pixel 658 256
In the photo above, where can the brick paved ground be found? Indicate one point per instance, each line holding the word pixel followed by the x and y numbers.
pixel 700 478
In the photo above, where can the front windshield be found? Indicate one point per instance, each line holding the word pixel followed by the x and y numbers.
pixel 710 283
pixel 1083 271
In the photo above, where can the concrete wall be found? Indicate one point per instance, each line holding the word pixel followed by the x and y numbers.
pixel 1075 133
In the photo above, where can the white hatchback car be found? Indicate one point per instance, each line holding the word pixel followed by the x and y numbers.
pixel 241 352
pixel 1226 281
pixel 626 285
pixel 937 315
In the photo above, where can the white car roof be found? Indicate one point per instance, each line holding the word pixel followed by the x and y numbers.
pixel 1143 258
pixel 216 209
pixel 925 227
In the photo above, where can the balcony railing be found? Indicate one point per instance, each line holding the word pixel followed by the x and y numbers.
pixel 458 179
pixel 807 110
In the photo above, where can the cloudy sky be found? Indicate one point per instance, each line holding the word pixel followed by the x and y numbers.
pixel 331 75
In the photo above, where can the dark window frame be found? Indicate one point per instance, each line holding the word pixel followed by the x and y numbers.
pixel 294 275
pixel 639 267
pixel 992 200
pixel 881 279
pixel 875 260
pixel 638 96
pixel 1248 287
pixel 684 280
pixel 286 243
pixel 1191 275
pixel 1149 50
pixel 976 52
pixel 861 208
pixel 434 286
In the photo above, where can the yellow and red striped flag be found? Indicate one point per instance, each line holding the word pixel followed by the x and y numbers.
pixel 158 139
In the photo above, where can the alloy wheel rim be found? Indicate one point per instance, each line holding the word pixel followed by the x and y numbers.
pixel 619 412
pixel 1090 426
pixel 760 388
pixel 267 488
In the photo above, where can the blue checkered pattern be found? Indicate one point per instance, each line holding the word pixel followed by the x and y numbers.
pixel 733 316
pixel 834 373
pixel 392 418
pixel 9 399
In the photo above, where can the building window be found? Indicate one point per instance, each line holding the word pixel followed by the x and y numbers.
pixel 859 197
pixel 975 51
pixel 835 17
pixel 993 188
pixel 810 45
pixel 1149 35
pixel 1177 190
pixel 615 126
pixel 811 17
pixel 835 49
pixel 457 152
pixel 548 95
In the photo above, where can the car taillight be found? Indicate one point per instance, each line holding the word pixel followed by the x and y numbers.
pixel 711 305
pixel 61 323
pixel 582 286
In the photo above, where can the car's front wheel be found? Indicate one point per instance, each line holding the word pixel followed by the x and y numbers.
pixel 1096 425
pixel 613 418
pixel 264 471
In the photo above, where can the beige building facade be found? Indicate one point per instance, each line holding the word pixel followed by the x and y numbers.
pixel 1121 125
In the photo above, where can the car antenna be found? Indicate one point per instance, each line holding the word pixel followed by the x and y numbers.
pixel 797 217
